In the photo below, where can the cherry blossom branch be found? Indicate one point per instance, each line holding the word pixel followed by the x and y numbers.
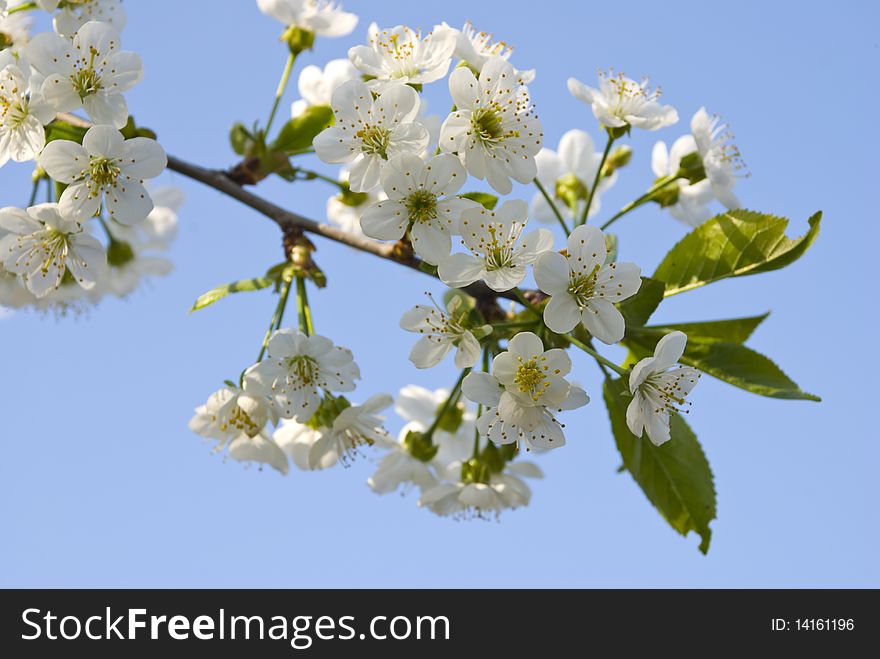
pixel 288 221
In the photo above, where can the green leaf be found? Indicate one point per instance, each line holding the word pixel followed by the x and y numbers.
pixel 488 201
pixel 243 286
pixel 241 139
pixel 728 361
pixel 735 330
pixel 733 244
pixel 675 477
pixel 298 133
pixel 638 309
pixel 59 130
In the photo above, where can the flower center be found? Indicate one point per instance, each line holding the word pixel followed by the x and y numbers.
pixel 486 124
pixel 13 108
pixel 239 419
pixel 421 206
pixel 374 140
pixel 87 81
pixel 530 378
pixel 303 370
pixel 103 172
pixel 667 387
pixel 582 288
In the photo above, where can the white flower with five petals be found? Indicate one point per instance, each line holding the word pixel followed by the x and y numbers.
pixel 621 101
pixel 237 420
pixel 692 200
pixel 41 244
pixel 421 201
pixel 370 131
pixel 497 254
pixel 441 332
pixel 400 55
pixel 477 500
pixel 720 157
pixel 23 112
pixel 476 48
pixel 494 129
pixel 89 72
pixel 105 167
pixel 526 387
pixel 659 386
pixel 299 367
pixel 320 17
pixel 584 288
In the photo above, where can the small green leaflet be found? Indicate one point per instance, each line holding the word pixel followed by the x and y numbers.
pixel 637 310
pixel 298 133
pixel 732 244
pixel 488 201
pixel 675 477
pixel 243 286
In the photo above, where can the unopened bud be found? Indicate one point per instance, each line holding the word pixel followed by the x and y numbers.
pixel 298 39
pixel 617 159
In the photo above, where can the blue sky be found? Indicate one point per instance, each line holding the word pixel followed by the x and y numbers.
pixel 101 483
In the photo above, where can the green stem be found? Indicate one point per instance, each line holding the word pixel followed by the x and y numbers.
pixel 49 190
pixel 282 85
pixel 592 191
pixel 34 191
pixel 276 319
pixel 309 175
pixel 450 400
pixel 25 6
pixel 553 207
pixel 654 189
pixel 302 306
pixel 599 358
pixel 523 300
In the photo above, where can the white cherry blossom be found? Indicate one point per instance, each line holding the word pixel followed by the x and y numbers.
pixel 368 132
pixel 422 202
pixel 720 157
pixel 400 55
pixel 299 367
pixel 526 387
pixel 237 421
pixel 108 168
pixel 14 31
pixel 476 48
pixel 322 17
pixel 316 85
pixel 23 113
pixel 692 199
pixel 583 288
pixel 567 175
pixel 41 245
pixel 659 386
pixel 497 255
pixel 89 72
pixel 494 129
pixel 441 331
pixel 355 427
pixel 477 500
pixel 621 101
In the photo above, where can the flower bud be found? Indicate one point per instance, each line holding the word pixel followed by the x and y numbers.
pixel 419 446
pixel 119 253
pixel 691 167
pixel 617 159
pixel 298 39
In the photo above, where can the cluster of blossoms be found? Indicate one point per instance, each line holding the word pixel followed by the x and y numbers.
pixel 94 171
pixel 403 180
